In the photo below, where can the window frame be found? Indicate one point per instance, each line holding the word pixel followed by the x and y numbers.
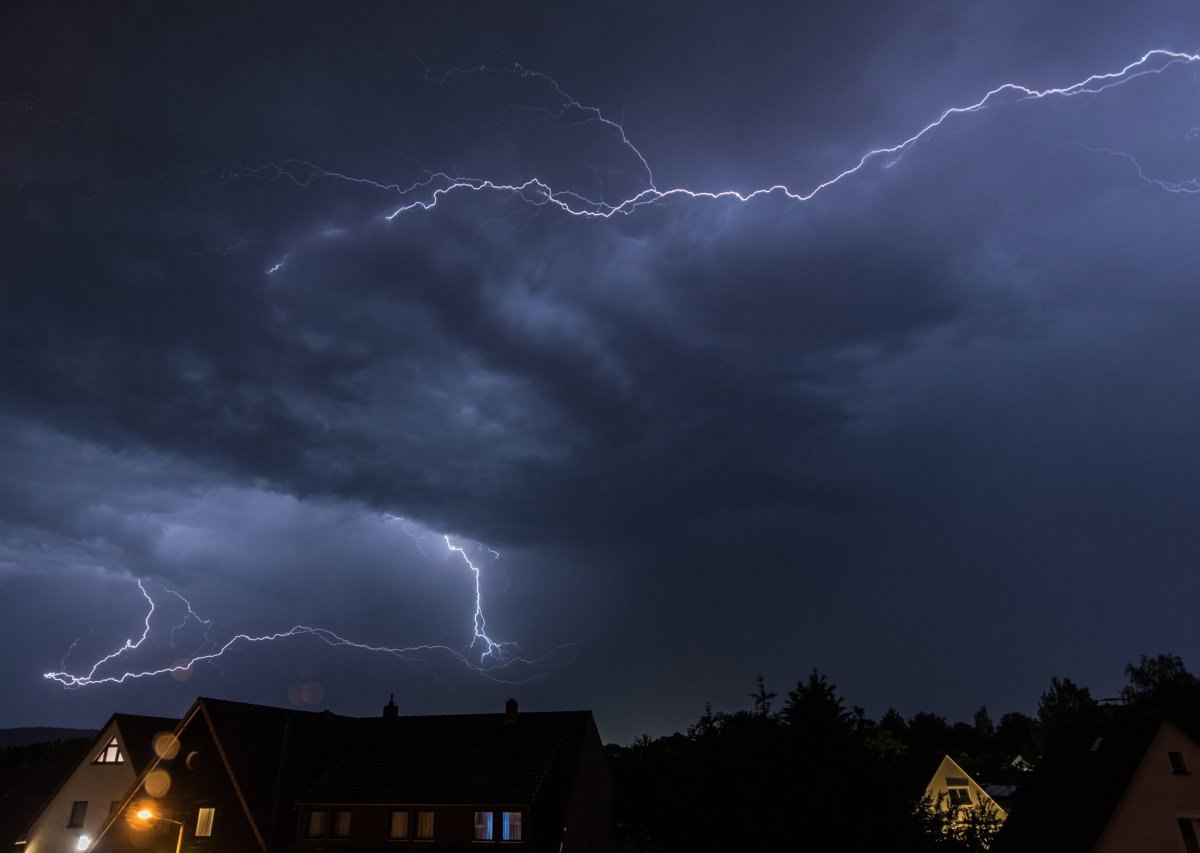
pixel 408 825
pixel 72 821
pixel 483 826
pixel 958 796
pixel 1178 764
pixel 417 836
pixel 308 823
pixel 103 757
pixel 506 826
pixel 209 812
pixel 335 816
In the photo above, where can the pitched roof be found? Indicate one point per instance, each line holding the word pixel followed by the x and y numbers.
pixel 1084 774
pixel 280 757
pixel 481 758
pixel 137 732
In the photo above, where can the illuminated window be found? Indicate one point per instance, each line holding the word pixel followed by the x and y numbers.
pixel 78 812
pixel 341 824
pixel 483 826
pixel 424 826
pixel 317 821
pixel 1177 763
pixel 399 826
pixel 510 826
pixel 111 754
pixel 204 822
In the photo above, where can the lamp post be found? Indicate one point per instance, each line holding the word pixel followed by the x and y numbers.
pixel 146 814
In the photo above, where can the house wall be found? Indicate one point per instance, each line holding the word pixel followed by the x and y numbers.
pixel 453 829
pixel 1145 818
pixel 937 791
pixel 590 820
pixel 97 784
pixel 200 782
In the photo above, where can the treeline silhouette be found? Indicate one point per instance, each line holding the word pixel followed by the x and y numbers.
pixel 804 772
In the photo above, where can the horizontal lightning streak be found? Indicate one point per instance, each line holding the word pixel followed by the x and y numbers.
pixel 437 185
pixel 493 661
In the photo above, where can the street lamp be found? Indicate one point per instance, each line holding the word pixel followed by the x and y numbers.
pixel 146 814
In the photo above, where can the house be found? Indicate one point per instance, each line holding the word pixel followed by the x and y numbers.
pixel 1111 787
pixel 240 777
pixel 82 803
pixel 953 788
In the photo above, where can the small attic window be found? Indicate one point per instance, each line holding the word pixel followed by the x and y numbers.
pixel 1178 766
pixel 111 754
pixel 1096 743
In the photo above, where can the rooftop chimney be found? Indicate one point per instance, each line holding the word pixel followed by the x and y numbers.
pixel 390 711
pixel 510 711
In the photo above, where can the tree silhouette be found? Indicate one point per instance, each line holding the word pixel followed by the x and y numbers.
pixel 1163 684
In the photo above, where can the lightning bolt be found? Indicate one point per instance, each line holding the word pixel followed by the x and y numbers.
pixel 426 193
pixel 484 655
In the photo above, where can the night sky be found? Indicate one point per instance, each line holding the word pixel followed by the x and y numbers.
pixel 933 430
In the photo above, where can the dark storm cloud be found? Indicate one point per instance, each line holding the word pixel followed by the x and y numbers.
pixel 948 396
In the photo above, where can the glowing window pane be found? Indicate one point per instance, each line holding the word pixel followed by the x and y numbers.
pixel 111 754
pixel 399 828
pixel 341 824
pixel 204 822
pixel 483 826
pixel 510 827
pixel 316 824
pixel 425 825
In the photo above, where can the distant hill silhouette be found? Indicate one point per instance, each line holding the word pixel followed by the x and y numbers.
pixel 28 735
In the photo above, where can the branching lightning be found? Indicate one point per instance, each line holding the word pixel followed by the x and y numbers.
pixel 426 193
pixel 491 658
pixel 483 654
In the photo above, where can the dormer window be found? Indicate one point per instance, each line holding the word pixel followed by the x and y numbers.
pixel 1178 766
pixel 111 754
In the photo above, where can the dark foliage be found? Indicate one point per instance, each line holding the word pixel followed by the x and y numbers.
pixel 817 776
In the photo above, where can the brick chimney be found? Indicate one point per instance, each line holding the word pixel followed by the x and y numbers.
pixel 390 711
pixel 510 711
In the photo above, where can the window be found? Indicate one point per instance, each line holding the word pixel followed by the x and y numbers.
pixel 424 826
pixel 510 826
pixel 1177 763
pixel 316 824
pixel 399 827
pixel 204 822
pixel 341 824
pixel 78 812
pixel 483 826
pixel 959 796
pixel 1187 828
pixel 111 754
pixel 114 807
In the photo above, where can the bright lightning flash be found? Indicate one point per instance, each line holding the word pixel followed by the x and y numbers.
pixel 425 194
pixel 484 655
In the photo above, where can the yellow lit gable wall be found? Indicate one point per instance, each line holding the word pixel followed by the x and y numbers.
pixel 953 788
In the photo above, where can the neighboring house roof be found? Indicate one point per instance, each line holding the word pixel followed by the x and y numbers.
pixel 1083 775
pixel 457 759
pixel 277 758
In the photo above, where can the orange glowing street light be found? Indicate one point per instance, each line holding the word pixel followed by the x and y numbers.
pixel 146 814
